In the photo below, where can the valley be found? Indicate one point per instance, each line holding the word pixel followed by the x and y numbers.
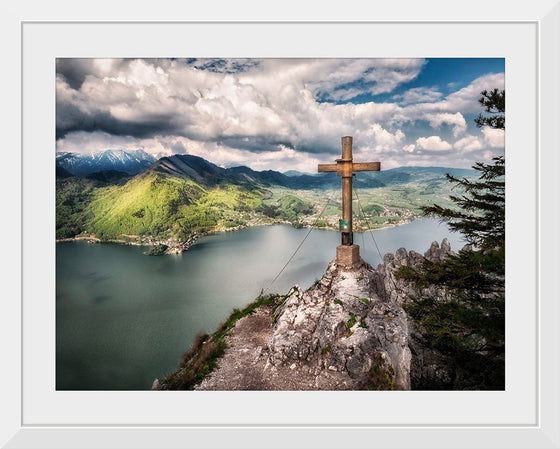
pixel 179 198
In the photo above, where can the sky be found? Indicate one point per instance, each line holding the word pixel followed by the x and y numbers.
pixel 280 114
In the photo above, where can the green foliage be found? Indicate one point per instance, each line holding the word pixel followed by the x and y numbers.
pixel 468 329
pixel 350 324
pixel 205 352
pixel 338 301
pixel 481 213
pixel 381 376
pixel 156 250
pixel 494 103
pixel 365 300
pixel 146 205
pixel 72 198
pixel 325 349
pixel 293 207
pixel 196 364
pixel 373 209
pixel 153 204
pixel 270 210
pixel 173 206
pixel 287 208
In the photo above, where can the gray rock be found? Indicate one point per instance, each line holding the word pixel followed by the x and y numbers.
pixel 343 327
pixel 349 331
pixel 352 320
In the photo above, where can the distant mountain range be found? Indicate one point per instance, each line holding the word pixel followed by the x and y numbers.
pixel 121 193
pixel 202 171
pixel 131 162
pixel 205 172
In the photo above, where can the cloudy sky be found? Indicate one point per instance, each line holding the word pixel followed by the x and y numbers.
pixel 280 114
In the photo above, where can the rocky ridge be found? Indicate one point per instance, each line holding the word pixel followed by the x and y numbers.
pixel 349 331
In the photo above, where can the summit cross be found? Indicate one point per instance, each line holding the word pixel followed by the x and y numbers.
pixel 347 253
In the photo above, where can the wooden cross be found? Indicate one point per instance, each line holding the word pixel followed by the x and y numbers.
pixel 344 168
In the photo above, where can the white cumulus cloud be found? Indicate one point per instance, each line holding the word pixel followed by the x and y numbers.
pixel 494 137
pixel 468 143
pixel 433 143
pixel 419 95
pixel 457 121
pixel 409 148
pixel 256 111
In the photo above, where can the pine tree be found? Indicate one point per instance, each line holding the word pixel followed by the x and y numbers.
pixel 468 328
pixel 494 102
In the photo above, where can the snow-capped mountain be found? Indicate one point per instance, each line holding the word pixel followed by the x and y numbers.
pixel 130 161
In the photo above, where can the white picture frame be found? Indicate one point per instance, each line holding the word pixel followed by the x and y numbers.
pixel 34 415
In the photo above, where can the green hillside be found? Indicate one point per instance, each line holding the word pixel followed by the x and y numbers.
pixel 164 206
pixel 287 208
pixel 144 205
pixel 72 197
pixel 182 197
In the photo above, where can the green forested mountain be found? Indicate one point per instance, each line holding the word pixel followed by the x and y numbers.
pixel 152 203
pixel 182 195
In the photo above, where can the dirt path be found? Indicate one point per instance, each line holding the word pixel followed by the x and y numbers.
pixel 245 364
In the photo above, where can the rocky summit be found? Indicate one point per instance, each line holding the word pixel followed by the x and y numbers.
pixel 342 325
pixel 348 331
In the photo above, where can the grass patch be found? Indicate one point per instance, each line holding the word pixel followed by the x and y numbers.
pixel 202 358
pixel 350 324
pixel 365 300
pixel 381 376
pixel 338 301
pixel 325 349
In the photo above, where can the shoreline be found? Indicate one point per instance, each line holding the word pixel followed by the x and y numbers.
pixel 177 248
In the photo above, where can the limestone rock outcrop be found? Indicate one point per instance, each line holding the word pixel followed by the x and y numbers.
pixel 352 322
pixel 343 325
pixel 349 331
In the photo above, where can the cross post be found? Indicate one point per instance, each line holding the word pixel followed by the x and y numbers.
pixel 347 253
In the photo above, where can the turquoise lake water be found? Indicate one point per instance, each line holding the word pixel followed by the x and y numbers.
pixel 124 318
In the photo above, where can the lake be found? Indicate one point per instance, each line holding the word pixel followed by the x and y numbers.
pixel 124 318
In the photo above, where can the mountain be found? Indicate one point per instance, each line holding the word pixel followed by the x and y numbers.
pixel 383 178
pixel 181 196
pixel 269 178
pixel 130 162
pixel 108 176
pixel 203 172
pixel 62 172
pixel 192 167
pixel 349 331
pixel 402 175
pixel 293 173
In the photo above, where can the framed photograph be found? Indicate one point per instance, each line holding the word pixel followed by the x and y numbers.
pixel 42 408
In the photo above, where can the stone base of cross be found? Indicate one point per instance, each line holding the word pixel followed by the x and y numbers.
pixel 347 254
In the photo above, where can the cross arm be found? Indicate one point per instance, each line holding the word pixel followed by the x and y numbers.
pixel 327 167
pixel 366 166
